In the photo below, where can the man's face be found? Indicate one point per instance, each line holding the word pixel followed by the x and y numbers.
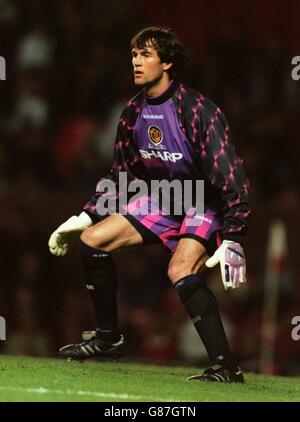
pixel 147 66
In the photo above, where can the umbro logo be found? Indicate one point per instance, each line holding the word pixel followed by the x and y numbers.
pixel 201 217
pixel 196 319
pixel 153 116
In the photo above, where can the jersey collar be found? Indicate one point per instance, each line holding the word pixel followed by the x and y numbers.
pixel 164 96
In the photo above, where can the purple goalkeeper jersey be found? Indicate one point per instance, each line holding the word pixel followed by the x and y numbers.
pixel 183 135
pixel 164 148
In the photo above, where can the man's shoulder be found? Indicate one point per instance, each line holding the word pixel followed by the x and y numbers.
pixel 195 100
pixel 132 107
pixel 135 102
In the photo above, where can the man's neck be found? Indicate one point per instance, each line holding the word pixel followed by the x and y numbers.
pixel 159 87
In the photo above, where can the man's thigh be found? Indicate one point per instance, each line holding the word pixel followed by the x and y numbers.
pixel 113 233
pixel 155 224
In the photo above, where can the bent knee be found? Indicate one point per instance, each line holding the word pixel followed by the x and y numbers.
pixel 179 270
pixel 91 238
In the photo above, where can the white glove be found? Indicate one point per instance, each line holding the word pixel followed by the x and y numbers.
pixel 232 260
pixel 62 238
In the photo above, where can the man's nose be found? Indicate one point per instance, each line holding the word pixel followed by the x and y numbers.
pixel 137 61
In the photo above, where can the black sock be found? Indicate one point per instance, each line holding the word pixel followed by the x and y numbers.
pixel 203 309
pixel 100 276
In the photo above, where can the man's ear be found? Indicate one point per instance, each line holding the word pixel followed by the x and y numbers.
pixel 167 66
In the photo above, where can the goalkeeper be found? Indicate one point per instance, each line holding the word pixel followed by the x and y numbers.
pixel 167 131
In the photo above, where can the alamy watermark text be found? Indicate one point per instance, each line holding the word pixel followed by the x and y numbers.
pixel 179 197
pixel 296 329
pixel 296 69
pixel 2 69
pixel 2 328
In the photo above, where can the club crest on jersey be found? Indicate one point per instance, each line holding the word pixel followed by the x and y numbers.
pixel 155 135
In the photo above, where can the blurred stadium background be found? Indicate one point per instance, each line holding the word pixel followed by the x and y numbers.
pixel 68 76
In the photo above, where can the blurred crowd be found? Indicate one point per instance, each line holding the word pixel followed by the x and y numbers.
pixel 68 77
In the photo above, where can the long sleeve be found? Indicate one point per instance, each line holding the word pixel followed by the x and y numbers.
pixel 225 171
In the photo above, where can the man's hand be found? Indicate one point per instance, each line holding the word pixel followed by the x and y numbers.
pixel 64 236
pixel 232 260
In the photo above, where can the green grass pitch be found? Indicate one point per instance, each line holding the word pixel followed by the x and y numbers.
pixel 26 379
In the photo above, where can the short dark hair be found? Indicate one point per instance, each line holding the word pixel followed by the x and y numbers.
pixel 169 47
